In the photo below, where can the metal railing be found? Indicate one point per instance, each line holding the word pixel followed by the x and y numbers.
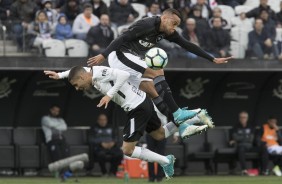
pixel 4 30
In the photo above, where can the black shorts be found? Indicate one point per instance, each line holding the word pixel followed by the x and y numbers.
pixel 142 118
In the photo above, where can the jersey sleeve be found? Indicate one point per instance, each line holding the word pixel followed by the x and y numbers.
pixel 138 29
pixel 115 76
pixel 65 74
pixel 176 38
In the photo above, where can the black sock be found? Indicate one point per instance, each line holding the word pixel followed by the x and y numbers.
pixel 162 107
pixel 165 92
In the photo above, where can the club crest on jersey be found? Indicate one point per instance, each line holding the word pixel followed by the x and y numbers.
pixel 104 72
pixel 146 44
pixel 159 38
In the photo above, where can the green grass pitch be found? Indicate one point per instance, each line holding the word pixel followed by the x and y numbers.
pixel 176 180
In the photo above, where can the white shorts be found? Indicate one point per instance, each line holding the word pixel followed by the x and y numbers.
pixel 129 63
pixel 275 150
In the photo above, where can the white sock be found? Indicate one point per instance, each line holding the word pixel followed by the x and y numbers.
pixel 149 156
pixel 170 128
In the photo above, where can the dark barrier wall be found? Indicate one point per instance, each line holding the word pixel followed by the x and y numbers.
pixel 26 96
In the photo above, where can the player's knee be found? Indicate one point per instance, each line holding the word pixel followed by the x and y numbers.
pixel 150 73
pixel 127 150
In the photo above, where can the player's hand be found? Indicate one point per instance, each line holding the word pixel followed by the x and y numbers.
pixel 104 101
pixel 52 74
pixel 222 60
pixel 96 60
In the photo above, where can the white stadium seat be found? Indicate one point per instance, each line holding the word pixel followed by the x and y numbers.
pixel 227 12
pixel 140 8
pixel 242 9
pixel 240 35
pixel 246 23
pixel 54 48
pixel 77 48
pixel 237 51
pixel 278 34
pixel 107 2
pixel 275 5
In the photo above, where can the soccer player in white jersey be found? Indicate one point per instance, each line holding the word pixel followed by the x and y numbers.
pixel 139 108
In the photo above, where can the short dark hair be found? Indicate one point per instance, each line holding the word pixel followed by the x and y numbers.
pixel 75 71
pixel 87 5
pixel 173 11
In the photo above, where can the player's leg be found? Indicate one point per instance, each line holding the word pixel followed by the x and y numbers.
pixel 163 89
pixel 134 129
pixel 167 162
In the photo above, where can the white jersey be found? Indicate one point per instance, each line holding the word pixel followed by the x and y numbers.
pixel 113 82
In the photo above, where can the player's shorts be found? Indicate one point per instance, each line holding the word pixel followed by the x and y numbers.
pixel 142 118
pixel 129 63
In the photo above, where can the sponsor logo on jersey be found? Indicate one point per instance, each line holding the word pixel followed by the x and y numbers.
pixel 146 44
pixel 194 88
pixel 5 87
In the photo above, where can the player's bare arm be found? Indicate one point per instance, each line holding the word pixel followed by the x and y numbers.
pixel 52 74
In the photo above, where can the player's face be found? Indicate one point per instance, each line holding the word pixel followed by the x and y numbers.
pixel 80 84
pixel 171 23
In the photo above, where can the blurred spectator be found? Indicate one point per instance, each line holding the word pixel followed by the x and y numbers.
pixel 217 40
pixel 22 13
pixel 71 9
pixel 190 32
pixel 268 24
pixel 232 3
pixel 100 36
pixel 63 29
pixel 105 148
pixel 40 29
pixel 5 18
pixel 53 127
pixel 272 137
pixel 255 13
pixel 206 11
pixel 84 21
pixel 157 147
pixel 162 4
pixel 50 12
pixel 154 10
pixel 5 10
pixel 243 138
pixel 99 8
pixel 122 13
pixel 216 13
pixel 201 23
pixel 279 16
pixel 260 44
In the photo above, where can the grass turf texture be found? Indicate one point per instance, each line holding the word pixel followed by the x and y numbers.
pixel 176 180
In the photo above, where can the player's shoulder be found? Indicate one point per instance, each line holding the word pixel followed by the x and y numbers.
pixel 101 71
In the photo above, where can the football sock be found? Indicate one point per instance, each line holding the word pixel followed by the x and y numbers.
pixel 165 92
pixel 170 128
pixel 149 156
pixel 162 107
